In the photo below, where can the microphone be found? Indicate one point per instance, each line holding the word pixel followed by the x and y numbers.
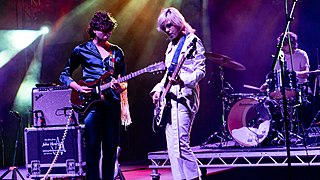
pixel 210 78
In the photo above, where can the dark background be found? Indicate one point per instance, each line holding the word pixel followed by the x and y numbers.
pixel 244 30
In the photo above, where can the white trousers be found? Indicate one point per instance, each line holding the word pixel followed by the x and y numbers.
pixel 183 161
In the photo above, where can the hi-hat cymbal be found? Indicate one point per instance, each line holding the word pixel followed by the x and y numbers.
pixel 224 61
pixel 316 72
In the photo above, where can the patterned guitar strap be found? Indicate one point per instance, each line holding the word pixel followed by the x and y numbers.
pixel 111 63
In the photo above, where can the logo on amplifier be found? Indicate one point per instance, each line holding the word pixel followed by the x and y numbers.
pixel 38 97
pixel 50 146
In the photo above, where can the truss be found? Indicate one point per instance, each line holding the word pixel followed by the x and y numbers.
pixel 244 157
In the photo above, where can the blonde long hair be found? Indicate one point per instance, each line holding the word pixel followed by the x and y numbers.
pixel 173 15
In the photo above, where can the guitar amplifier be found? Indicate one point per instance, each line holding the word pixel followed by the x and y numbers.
pixel 42 146
pixel 51 106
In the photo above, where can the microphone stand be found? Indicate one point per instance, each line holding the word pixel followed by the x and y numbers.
pixel 13 168
pixel 281 63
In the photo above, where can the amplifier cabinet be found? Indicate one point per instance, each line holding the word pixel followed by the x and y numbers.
pixel 42 145
pixel 51 106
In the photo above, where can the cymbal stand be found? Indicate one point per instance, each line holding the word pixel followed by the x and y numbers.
pixel 223 95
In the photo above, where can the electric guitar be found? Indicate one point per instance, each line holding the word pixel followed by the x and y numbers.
pixel 162 109
pixel 81 102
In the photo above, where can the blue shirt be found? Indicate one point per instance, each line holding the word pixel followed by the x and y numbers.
pixel 93 66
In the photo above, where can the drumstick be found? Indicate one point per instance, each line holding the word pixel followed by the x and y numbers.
pixel 251 87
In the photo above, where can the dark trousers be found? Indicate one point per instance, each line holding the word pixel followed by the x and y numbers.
pixel 102 126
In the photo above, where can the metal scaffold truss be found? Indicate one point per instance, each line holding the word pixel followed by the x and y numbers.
pixel 302 156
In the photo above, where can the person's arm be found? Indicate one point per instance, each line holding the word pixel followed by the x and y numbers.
pixel 304 66
pixel 66 75
pixel 199 68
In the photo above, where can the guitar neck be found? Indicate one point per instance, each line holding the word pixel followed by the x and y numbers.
pixel 124 78
pixel 174 75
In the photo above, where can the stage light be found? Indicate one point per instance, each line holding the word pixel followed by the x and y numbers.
pixel 22 100
pixel 13 41
pixel 44 30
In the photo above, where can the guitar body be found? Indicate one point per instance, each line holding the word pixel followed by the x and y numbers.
pixel 162 112
pixel 82 102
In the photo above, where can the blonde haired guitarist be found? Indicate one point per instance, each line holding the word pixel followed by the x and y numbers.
pixel 177 95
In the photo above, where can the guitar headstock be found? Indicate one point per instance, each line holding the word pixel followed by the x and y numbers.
pixel 191 48
pixel 157 67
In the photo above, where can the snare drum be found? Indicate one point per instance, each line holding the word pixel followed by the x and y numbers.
pixel 235 97
pixel 275 84
pixel 252 121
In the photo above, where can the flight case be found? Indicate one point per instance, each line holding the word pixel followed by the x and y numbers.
pixel 42 144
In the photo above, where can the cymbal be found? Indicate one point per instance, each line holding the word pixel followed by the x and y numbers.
pixel 224 61
pixel 316 72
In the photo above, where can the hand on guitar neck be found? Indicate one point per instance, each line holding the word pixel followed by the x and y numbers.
pixel 115 85
pixel 176 81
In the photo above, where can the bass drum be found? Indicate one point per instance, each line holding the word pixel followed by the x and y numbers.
pixel 251 121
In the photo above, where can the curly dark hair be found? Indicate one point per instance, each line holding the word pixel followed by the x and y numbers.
pixel 102 21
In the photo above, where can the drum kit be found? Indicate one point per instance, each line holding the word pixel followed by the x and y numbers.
pixel 257 119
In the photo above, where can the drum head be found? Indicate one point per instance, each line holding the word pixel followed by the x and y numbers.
pixel 249 122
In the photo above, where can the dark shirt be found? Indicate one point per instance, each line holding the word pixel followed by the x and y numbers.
pixel 93 66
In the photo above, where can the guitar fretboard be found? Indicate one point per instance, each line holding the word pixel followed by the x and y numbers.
pixel 124 78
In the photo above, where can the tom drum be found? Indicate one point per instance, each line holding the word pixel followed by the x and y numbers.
pixel 275 84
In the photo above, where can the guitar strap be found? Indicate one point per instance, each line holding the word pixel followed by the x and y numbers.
pixel 174 61
pixel 112 62
pixel 172 67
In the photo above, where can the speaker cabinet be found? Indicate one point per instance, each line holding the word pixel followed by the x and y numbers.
pixel 51 106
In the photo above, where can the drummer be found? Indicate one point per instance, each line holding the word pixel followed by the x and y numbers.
pixel 300 61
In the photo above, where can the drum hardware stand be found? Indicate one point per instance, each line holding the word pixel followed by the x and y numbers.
pixel 222 130
pixel 295 122
pixel 315 119
pixel 13 168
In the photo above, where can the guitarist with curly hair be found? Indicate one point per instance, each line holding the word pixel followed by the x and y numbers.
pixel 101 62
